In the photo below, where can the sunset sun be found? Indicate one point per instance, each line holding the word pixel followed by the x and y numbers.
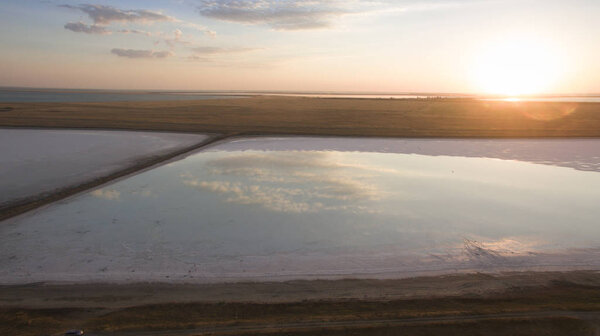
pixel 516 67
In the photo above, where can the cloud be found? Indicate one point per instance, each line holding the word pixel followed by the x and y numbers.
pixel 311 14
pixel 210 33
pixel 134 31
pixel 103 15
pixel 80 27
pixel 280 15
pixel 176 39
pixel 219 50
pixel 110 195
pixel 133 53
pixel 208 54
pixel 199 58
pixel 200 28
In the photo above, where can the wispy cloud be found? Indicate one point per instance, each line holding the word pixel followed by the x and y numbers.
pixel 310 14
pixel 176 38
pixel 218 56
pixel 282 15
pixel 134 53
pixel 103 15
pixel 198 58
pixel 221 50
pixel 200 28
pixel 134 31
pixel 80 27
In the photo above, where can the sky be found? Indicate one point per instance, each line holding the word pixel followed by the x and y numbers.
pixel 509 47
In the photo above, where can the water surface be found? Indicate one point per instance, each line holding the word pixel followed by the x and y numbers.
pixel 285 208
pixel 98 96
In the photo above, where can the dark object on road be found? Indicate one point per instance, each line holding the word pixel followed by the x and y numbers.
pixel 74 332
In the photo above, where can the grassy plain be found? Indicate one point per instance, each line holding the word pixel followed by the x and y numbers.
pixel 320 116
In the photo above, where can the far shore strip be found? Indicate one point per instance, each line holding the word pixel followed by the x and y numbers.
pixel 266 115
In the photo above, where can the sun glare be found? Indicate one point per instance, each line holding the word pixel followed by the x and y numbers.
pixel 516 67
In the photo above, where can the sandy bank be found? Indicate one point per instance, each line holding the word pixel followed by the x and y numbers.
pixel 47 295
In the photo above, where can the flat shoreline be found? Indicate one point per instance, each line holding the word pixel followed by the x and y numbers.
pixel 115 295
pixel 566 302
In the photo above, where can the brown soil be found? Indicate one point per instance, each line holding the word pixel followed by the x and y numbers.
pixel 516 303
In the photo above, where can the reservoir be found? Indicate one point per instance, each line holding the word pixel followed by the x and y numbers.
pixel 300 208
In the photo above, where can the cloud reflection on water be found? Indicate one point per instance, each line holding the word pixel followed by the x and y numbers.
pixel 289 181
pixel 106 194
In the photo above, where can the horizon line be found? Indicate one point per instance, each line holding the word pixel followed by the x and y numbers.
pixel 266 91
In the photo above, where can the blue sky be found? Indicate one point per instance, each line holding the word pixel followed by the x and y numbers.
pixel 497 46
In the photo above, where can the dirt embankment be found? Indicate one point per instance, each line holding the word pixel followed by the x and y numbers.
pixel 550 303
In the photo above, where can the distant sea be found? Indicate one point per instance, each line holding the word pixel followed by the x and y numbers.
pixel 96 96
pixel 29 95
